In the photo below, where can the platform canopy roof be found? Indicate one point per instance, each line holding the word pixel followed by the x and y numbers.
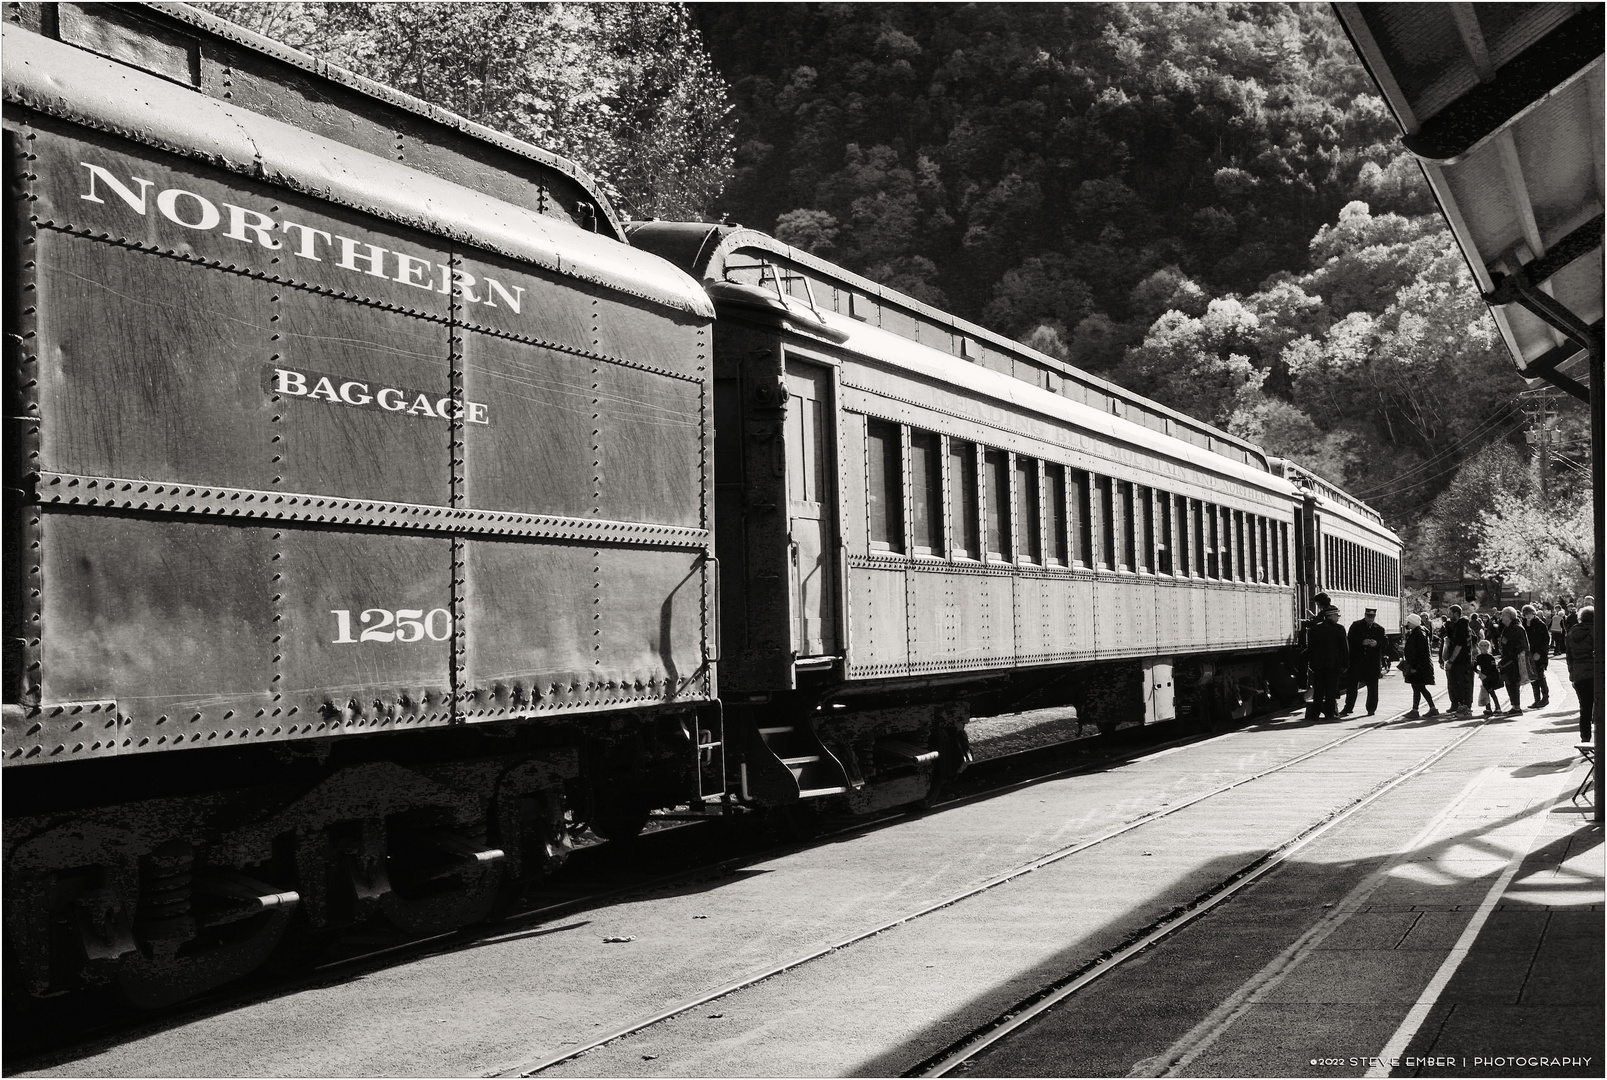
pixel 1502 105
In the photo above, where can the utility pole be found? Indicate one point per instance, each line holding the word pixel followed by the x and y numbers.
pixel 1540 456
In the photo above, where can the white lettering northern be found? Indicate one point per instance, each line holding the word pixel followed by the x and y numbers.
pixel 408 271
pixel 309 240
pixel 168 203
pixel 375 257
pixel 191 210
pixel 242 220
pixel 135 203
pixel 512 300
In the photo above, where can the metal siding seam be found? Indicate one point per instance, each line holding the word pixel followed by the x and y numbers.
pixel 597 495
pixel 461 693
pixel 907 444
pixel 705 488
pixel 276 457
pixel 28 418
pixel 205 500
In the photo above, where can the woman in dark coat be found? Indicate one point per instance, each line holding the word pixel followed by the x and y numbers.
pixel 1514 643
pixel 1420 666
pixel 1539 652
pixel 1582 667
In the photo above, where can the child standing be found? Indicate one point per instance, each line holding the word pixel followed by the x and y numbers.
pixel 1489 678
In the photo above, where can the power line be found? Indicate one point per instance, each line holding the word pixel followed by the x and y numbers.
pixel 1393 487
pixel 1448 451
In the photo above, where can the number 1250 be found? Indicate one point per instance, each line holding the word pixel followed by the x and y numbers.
pixel 403 625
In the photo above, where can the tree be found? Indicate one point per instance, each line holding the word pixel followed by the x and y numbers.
pixel 1199 365
pixel 1451 533
pixel 1547 548
pixel 625 90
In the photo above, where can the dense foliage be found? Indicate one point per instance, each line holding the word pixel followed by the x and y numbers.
pixel 1205 202
pixel 625 90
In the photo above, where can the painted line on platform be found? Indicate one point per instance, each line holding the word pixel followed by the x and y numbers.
pixel 1182 1053
pixel 1396 1047
pixel 533 1066
pixel 944 1062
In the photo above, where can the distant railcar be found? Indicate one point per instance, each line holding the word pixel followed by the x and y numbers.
pixel 917 518
pixel 1345 549
pixel 328 414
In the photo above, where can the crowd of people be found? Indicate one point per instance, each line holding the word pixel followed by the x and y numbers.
pixel 1498 653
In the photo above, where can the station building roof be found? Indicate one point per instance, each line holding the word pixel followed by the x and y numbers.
pixel 1502 106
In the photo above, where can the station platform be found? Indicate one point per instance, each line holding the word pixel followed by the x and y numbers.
pixel 1441 915
pixel 1461 934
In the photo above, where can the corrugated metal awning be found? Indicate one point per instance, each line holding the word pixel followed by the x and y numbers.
pixel 1502 105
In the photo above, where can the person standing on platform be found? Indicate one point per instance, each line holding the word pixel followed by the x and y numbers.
pixel 1582 667
pixel 1419 666
pixel 1458 662
pixel 1539 654
pixel 1369 651
pixel 1489 677
pixel 1514 642
pixel 1330 658
pixel 1319 603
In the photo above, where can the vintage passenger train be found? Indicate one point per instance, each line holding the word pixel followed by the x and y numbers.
pixel 381 510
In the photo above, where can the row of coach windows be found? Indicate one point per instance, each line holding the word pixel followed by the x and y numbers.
pixel 1353 568
pixel 969 501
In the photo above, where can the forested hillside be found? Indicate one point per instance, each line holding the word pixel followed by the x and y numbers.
pixel 1205 202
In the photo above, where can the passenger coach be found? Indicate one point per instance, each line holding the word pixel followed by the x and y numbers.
pixel 916 517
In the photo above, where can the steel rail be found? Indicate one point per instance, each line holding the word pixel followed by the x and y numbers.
pixel 532 1066
pixel 1023 1013
pixel 509 924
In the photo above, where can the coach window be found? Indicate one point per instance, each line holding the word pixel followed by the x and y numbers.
pixel 996 467
pixel 1236 542
pixel 1202 565
pixel 884 486
pixel 1183 562
pixel 1127 521
pixel 1029 522
pixel 1225 542
pixel 1144 503
pixel 1284 576
pixel 962 499
pixel 1163 555
pixel 1211 550
pixel 1054 485
pixel 1082 520
pixel 1107 522
pixel 926 494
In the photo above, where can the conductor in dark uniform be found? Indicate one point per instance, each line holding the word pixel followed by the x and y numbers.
pixel 1329 655
pixel 1369 650
pixel 1319 604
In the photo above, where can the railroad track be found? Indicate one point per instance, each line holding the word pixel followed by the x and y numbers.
pixel 712 859
pixel 980 1037
pixel 48 1038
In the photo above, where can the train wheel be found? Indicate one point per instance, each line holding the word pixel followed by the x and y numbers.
pixel 619 821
